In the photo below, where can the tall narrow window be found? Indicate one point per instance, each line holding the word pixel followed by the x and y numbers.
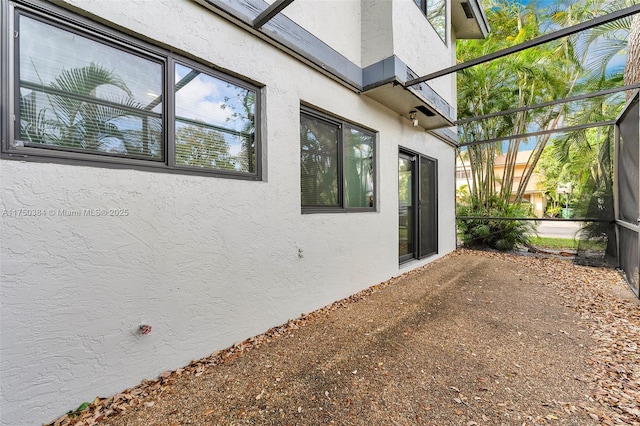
pixel 319 162
pixel 358 168
pixel 406 203
pixel 336 165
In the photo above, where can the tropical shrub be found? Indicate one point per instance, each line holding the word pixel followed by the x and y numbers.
pixel 501 234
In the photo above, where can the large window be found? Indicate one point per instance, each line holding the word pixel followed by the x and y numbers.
pixel 90 96
pixel 337 164
pixel 436 13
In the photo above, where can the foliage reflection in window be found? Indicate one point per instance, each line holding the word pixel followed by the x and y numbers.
pixel 79 94
pixel 90 96
pixel 214 122
pixel 358 168
pixel 319 162
pixel 336 164
pixel 436 13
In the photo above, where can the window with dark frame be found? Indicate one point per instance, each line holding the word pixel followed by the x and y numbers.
pixel 436 13
pixel 337 164
pixel 87 95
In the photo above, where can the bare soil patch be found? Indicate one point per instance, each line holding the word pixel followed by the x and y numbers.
pixel 476 338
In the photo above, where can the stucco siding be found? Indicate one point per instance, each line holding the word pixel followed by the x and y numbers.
pixel 337 23
pixel 421 48
pixel 377 31
pixel 205 261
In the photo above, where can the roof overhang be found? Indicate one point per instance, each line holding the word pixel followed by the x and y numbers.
pixel 385 81
pixel 468 19
pixel 408 101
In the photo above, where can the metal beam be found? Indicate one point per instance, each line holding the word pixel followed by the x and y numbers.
pixel 619 14
pixel 550 103
pixel 542 132
pixel 271 11
pixel 536 219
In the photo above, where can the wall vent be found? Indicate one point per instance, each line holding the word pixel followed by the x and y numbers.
pixel 467 9
pixel 426 111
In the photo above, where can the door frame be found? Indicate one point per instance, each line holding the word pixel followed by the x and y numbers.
pixel 419 252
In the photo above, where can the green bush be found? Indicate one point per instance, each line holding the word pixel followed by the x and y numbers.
pixel 493 233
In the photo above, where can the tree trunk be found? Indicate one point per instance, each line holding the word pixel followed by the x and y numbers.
pixel 632 67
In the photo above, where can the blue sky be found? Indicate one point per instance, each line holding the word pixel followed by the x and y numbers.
pixel 616 63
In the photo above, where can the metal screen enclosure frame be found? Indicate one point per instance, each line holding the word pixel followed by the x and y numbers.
pixel 627 191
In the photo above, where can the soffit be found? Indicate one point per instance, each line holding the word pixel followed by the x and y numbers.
pixel 468 19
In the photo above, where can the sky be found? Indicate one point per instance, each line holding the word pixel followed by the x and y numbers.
pixel 617 62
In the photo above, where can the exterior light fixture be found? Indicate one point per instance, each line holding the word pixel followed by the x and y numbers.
pixel 413 116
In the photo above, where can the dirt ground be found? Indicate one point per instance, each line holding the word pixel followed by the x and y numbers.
pixel 476 338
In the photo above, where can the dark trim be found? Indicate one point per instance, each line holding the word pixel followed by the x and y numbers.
pixel 341 123
pixel 322 113
pixel 394 71
pixel 425 91
pixel 447 136
pixel 5 53
pixel 271 11
pixel 290 37
pixel 71 23
pixel 622 13
pixel 286 35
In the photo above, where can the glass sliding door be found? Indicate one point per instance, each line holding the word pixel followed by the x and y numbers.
pixel 417 206
pixel 406 203
pixel 428 208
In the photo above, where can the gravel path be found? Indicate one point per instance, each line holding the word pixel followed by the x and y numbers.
pixel 476 338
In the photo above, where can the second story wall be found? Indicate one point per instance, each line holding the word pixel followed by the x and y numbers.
pixel 377 31
pixel 337 23
pixel 417 43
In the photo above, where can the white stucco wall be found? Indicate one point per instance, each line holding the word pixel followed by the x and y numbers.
pixel 206 261
pixel 377 31
pixel 421 48
pixel 336 22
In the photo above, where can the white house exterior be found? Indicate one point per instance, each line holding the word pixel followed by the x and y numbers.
pixel 169 163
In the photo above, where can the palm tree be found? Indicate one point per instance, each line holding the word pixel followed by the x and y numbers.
pixel 74 116
pixel 632 68
pixel 521 79
pixel 592 148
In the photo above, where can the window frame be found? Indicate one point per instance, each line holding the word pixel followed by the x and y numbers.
pixel 75 24
pixel 424 8
pixel 342 125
